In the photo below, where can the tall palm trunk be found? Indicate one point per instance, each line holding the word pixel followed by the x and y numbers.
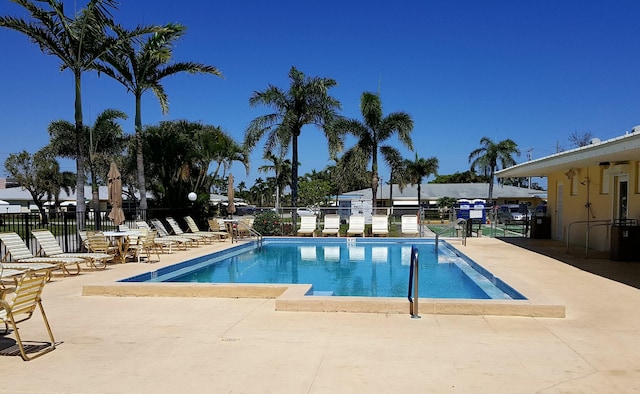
pixel 374 192
pixel 140 157
pixel 80 204
pixel 294 169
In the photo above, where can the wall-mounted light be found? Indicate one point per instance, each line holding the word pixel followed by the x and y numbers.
pixel 570 174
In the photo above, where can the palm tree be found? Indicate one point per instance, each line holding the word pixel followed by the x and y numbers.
pixel 418 169
pixel 78 42
pixel 307 102
pixel 102 142
pixel 490 154
pixel 373 131
pixel 282 169
pixel 140 67
pixel 215 146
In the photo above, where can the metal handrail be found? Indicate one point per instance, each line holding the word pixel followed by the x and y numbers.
pixel 590 225
pixel 256 234
pixel 413 283
pixel 452 226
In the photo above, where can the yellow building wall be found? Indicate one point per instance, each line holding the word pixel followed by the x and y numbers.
pixel 589 199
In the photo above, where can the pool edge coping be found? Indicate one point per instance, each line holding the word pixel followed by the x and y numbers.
pixel 294 298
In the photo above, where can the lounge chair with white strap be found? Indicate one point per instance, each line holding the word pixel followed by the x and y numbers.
pixel 356 225
pixel 164 234
pixel 177 230
pixel 49 247
pixel 194 229
pixel 331 225
pixel 18 256
pixel 380 225
pixel 307 225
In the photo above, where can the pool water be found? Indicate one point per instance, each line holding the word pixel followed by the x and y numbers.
pixel 341 268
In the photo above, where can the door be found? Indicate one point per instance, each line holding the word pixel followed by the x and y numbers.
pixel 621 198
pixel 559 221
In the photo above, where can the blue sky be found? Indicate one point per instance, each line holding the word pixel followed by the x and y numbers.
pixel 532 71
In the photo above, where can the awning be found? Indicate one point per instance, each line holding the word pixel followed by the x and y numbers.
pixel 406 202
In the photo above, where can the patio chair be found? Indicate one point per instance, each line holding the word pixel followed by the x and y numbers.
pixel 49 247
pixel 177 230
pixel 145 244
pixel 307 225
pixel 161 243
pixel 356 225
pixel 20 307
pixel 193 229
pixel 22 258
pixel 183 242
pixel 380 225
pixel 409 225
pixel 218 225
pixel 97 242
pixel 331 225
pixel 245 225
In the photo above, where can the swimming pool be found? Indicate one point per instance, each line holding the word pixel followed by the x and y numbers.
pixel 343 267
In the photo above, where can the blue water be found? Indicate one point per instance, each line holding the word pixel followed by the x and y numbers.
pixel 365 268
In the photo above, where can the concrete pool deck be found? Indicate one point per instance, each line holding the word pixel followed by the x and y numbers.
pixel 162 344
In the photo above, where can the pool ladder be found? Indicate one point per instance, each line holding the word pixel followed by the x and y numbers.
pixel 413 283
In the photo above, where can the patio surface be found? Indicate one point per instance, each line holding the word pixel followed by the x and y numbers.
pixel 243 345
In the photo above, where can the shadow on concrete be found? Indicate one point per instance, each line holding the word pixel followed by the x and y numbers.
pixel 597 263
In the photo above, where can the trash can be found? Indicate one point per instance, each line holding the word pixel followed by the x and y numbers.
pixel 541 227
pixel 625 235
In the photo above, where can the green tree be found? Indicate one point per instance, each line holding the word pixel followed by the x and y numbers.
pixel 77 41
pixel 460 177
pixel 372 132
pixel 282 169
pixel 306 102
pixel 418 169
pixel 490 155
pixel 36 173
pixel 103 143
pixel 314 192
pixel 141 66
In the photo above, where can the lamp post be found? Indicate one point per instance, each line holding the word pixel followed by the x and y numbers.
pixel 192 197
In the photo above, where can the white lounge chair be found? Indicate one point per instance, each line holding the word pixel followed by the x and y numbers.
pixel 24 259
pixel 356 225
pixel 183 242
pixel 193 228
pixel 380 225
pixel 409 225
pixel 307 225
pixel 49 247
pixel 331 225
pixel 177 230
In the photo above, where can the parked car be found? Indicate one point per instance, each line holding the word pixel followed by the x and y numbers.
pixel 512 213
pixel 305 212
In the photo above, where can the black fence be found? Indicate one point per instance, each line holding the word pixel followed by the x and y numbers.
pixel 65 225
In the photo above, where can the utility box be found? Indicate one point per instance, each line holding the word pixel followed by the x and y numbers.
pixel 625 235
pixel 541 227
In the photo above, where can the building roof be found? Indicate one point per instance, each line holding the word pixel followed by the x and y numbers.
pixel 434 191
pixel 21 194
pixel 613 151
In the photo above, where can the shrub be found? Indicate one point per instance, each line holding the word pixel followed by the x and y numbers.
pixel 267 223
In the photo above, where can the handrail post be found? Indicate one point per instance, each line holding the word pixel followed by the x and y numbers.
pixel 413 283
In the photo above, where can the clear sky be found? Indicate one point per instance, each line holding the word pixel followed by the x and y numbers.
pixel 532 71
